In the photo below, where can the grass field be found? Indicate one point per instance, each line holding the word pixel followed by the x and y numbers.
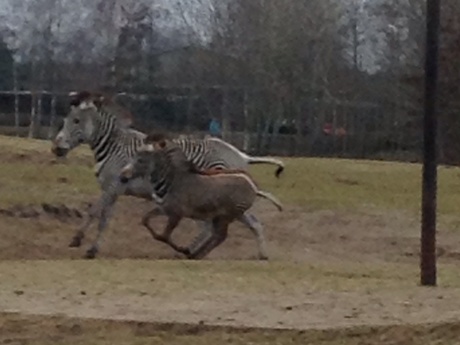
pixel 343 261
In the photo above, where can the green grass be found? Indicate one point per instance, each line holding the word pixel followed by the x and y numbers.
pixel 313 183
pixel 30 173
pixel 354 184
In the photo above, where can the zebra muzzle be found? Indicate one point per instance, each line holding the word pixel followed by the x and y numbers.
pixel 126 173
pixel 59 151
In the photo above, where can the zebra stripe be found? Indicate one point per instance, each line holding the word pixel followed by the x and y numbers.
pixel 114 146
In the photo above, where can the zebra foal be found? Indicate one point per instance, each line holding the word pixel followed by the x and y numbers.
pixel 182 191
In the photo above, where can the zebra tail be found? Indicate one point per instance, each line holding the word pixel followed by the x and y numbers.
pixel 272 198
pixel 267 160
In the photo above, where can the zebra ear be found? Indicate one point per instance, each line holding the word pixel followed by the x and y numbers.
pixel 87 105
pixel 146 148
pixel 162 143
pixel 98 101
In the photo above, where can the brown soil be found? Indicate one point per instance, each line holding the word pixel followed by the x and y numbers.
pixel 20 329
pixel 318 237
pixel 303 236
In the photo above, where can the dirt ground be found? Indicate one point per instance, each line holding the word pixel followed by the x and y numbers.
pixel 295 235
pixel 327 268
pixel 324 238
pixel 40 330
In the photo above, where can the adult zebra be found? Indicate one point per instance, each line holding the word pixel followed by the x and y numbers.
pixel 105 127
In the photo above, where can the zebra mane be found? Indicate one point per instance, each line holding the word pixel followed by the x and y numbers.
pixel 160 138
pixel 101 102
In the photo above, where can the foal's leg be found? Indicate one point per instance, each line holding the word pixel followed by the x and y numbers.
pixel 173 222
pixel 202 236
pixel 165 237
pixel 155 212
pixel 201 239
pixel 219 235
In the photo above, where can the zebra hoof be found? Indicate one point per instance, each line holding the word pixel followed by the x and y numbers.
pixel 91 253
pixel 184 250
pixel 76 242
pixel 192 256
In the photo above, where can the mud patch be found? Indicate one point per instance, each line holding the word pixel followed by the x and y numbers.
pixel 60 212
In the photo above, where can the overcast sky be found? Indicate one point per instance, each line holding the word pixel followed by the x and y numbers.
pixel 22 18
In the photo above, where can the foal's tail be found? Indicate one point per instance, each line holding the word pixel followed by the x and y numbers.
pixel 272 198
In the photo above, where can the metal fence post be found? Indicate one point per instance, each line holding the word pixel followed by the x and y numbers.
pixel 429 185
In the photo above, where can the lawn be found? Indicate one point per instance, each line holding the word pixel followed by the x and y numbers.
pixel 308 182
pixel 345 255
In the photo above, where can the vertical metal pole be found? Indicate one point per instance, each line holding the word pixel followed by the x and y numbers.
pixel 428 238
pixel 16 97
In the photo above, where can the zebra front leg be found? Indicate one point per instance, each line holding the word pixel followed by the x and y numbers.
pixel 107 204
pixel 157 211
pixel 165 237
pixel 173 222
pixel 258 230
pixel 80 233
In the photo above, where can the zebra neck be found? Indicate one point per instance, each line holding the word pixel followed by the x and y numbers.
pixel 105 138
pixel 162 187
pixel 163 181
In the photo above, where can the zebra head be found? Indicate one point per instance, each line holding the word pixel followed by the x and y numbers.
pixel 89 113
pixel 78 125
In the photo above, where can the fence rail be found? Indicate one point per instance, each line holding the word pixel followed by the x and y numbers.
pixel 327 127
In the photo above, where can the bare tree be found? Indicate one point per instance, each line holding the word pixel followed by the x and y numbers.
pixel 285 51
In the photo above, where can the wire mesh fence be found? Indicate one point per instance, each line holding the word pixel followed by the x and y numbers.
pixel 330 127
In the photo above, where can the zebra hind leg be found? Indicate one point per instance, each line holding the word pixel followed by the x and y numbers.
pixel 219 235
pixel 258 230
pixel 201 240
